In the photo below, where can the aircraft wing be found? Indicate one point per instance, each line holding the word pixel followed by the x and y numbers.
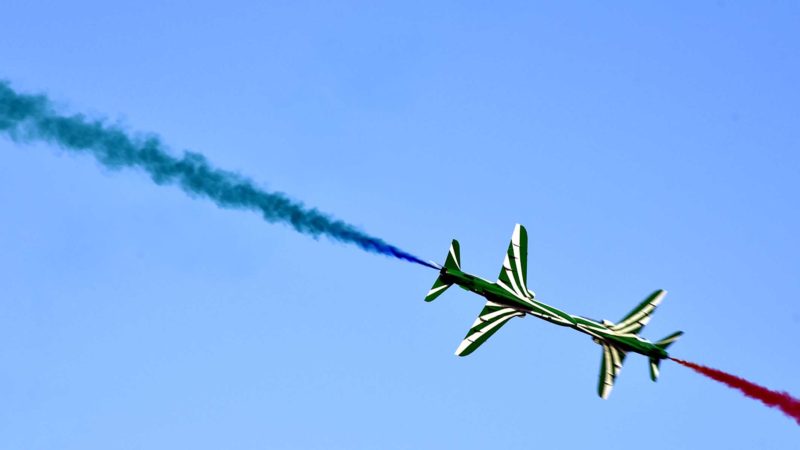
pixel 491 318
pixel 638 318
pixel 513 275
pixel 609 369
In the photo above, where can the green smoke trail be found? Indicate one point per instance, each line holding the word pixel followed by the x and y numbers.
pixel 29 118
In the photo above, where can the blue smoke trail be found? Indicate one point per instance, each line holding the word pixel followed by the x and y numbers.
pixel 28 118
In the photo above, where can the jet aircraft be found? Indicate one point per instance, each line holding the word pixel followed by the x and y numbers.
pixel 510 297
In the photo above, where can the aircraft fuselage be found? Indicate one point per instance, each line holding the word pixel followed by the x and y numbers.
pixel 529 305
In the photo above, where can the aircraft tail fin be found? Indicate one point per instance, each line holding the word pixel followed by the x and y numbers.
pixel 453 261
pixel 662 344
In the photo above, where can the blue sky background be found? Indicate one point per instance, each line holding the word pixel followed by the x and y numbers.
pixel 644 146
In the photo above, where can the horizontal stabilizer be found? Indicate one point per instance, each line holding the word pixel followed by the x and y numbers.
pixel 438 289
pixel 638 318
pixel 654 364
pixel 669 340
pixel 662 344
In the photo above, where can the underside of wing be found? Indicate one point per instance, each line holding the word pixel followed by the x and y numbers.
pixel 609 369
pixel 513 275
pixel 492 317
pixel 638 318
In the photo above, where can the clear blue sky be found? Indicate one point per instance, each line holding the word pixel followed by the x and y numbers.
pixel 644 146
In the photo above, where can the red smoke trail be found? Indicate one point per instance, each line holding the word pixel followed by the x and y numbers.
pixel 781 400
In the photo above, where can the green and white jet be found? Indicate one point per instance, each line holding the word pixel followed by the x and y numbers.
pixel 510 297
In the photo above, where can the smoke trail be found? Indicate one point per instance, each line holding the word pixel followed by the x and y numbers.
pixel 28 118
pixel 781 400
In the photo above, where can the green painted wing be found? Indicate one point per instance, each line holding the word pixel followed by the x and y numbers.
pixel 610 366
pixel 513 275
pixel 492 317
